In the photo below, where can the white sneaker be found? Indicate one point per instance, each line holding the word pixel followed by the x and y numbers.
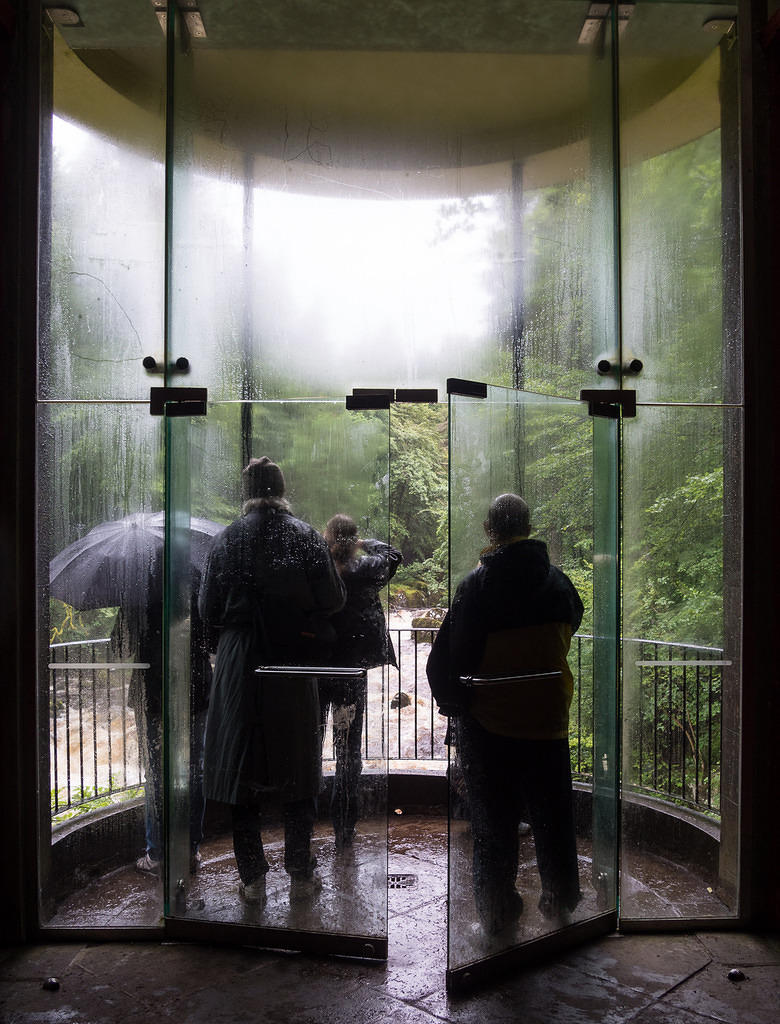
pixel 305 888
pixel 253 892
pixel 147 865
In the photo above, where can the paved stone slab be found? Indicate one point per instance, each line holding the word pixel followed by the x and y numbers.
pixel 32 963
pixel 663 1013
pixel 540 996
pixel 652 964
pixel 417 953
pixel 143 967
pixel 738 949
pixel 76 1001
pixel 281 995
pixel 652 889
pixel 711 994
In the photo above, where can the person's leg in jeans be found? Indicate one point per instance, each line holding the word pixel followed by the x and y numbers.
pixel 348 737
pixel 197 800
pixel 325 690
pixel 149 732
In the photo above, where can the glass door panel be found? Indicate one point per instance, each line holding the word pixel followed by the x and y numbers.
pixel 320 231
pixel 100 475
pixel 514 442
pixel 679 183
pixel 364 201
pixel 297 801
pixel 680 656
pixel 99 469
pixel 103 244
pixel 682 486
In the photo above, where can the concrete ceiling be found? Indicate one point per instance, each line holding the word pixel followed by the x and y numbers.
pixel 387 88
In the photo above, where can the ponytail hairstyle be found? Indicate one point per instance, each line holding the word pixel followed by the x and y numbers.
pixel 341 533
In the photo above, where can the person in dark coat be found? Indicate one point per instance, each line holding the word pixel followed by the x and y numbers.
pixel 268 589
pixel 362 641
pixel 513 615
pixel 137 633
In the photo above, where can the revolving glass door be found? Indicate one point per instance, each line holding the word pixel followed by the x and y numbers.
pixel 520 807
pixel 313 728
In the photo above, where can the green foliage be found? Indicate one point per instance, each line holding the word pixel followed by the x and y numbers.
pixel 673 285
pixel 86 801
pixel 560 284
pixel 555 309
pixel 420 584
pixel 558 485
pixel 681 565
pixel 67 625
pixel 332 460
pixel 107 462
pixel 418 481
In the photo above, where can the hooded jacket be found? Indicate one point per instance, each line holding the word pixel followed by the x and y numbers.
pixel 360 626
pixel 514 614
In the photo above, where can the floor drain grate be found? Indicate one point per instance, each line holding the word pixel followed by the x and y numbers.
pixel 401 881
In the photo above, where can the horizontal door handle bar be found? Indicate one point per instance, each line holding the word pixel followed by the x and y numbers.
pixel 524 678
pixel 679 663
pixel 112 666
pixel 309 670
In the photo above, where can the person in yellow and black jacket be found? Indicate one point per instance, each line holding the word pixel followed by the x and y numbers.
pixel 514 615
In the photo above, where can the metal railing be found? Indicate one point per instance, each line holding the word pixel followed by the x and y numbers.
pixel 93 747
pixel 673 727
pixel 671 716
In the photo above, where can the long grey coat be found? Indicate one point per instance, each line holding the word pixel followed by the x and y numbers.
pixel 267 591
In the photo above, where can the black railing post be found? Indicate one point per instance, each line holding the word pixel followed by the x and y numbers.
pixel 656 685
pixel 709 743
pixel 698 733
pixel 653 778
pixel 93 681
pixel 416 675
pixel 579 705
pixel 108 734
pixel 68 769
pixel 80 678
pixel 56 743
pixel 669 724
pixel 684 730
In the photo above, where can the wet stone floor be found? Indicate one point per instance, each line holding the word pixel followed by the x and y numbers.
pixel 651 978
pixel 354 894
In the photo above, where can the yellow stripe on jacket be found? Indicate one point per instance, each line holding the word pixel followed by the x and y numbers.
pixel 535 709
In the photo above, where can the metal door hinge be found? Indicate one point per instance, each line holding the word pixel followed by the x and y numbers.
pixel 418 395
pixel 374 398
pixel 178 401
pixel 366 398
pixel 470 388
pixel 610 403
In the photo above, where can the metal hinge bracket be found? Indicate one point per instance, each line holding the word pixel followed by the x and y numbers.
pixel 610 403
pixel 178 401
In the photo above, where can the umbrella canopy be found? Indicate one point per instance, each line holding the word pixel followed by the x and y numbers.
pixel 120 563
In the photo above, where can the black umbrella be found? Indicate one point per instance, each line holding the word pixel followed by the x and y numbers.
pixel 120 563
